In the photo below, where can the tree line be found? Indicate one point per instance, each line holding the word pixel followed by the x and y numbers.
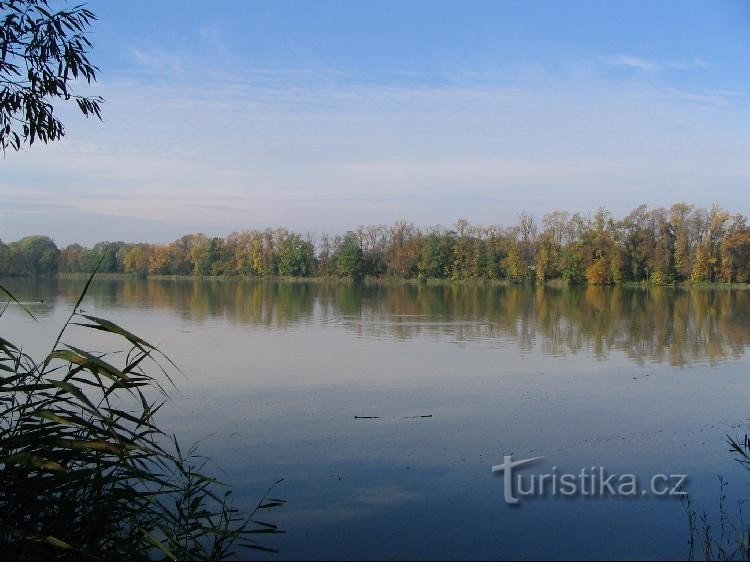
pixel 660 246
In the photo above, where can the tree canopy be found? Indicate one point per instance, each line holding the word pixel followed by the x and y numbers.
pixel 659 246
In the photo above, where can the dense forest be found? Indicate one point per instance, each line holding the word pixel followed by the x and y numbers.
pixel 660 246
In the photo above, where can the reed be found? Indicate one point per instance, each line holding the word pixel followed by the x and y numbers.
pixel 727 538
pixel 85 471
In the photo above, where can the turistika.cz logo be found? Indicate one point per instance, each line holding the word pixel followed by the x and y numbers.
pixel 589 482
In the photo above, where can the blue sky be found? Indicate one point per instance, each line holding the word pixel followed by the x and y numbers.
pixel 327 115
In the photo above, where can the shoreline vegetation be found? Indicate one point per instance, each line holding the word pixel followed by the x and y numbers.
pixel 552 283
pixel 87 473
pixel 682 244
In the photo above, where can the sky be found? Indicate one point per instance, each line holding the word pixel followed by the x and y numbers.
pixel 323 116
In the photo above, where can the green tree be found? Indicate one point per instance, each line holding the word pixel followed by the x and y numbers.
pixel 107 252
pixel 34 255
pixel 433 259
pixel 205 255
pixel 294 255
pixel 495 247
pixel 349 262
pixel 573 269
pixel 87 260
pixel 326 262
pixel 4 254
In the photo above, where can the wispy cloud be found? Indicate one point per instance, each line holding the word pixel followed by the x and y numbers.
pixel 641 63
pixel 158 60
pixel 301 149
pixel 631 61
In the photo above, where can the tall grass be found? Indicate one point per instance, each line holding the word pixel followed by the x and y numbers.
pixel 85 472
pixel 729 537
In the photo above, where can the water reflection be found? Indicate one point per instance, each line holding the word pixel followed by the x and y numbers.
pixel 678 326
pixel 292 379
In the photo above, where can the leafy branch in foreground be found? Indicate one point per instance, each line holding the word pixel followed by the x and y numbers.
pixel 86 472
pixel 42 52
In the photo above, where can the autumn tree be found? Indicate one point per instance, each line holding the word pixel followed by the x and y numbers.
pixel 555 230
pixel 403 249
pixel 603 257
pixel 679 218
pixel 496 250
pixel 374 243
pixel 527 230
pixel 701 270
pixel 137 259
pixel 160 260
pixel 514 265
pixel 638 242
pixel 460 265
pixel 180 255
pixel 661 259
pixel 69 261
pixel 326 265
pixel 735 251
pixel 716 230
pixel 655 246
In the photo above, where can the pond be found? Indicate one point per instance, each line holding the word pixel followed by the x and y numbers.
pixel 385 406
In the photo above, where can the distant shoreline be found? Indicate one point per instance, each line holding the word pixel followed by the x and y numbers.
pixel 554 283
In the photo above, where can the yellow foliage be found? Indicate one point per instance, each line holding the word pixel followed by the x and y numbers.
pixel 700 270
pixel 599 273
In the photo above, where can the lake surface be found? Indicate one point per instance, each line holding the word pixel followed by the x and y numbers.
pixel 639 381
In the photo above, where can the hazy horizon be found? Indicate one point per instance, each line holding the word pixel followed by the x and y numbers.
pixel 87 241
pixel 325 116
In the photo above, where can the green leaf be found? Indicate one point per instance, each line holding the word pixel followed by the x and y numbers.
pixel 33 461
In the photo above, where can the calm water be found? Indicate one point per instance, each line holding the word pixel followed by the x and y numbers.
pixel 638 381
